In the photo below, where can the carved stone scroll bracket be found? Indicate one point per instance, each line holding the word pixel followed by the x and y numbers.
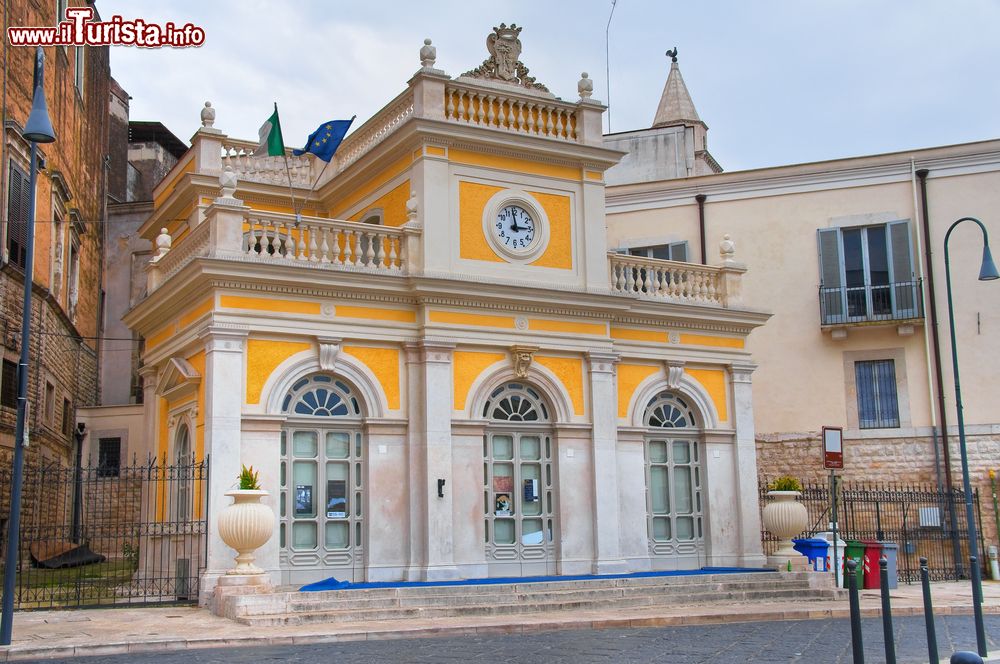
pixel 675 372
pixel 520 357
pixel 329 349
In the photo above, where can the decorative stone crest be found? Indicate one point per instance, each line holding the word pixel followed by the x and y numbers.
pixel 428 54
pixel 521 323
pixel 521 357
pixel 503 64
pixel 585 86
pixel 207 115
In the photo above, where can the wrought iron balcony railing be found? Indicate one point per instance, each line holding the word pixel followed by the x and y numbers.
pixel 902 300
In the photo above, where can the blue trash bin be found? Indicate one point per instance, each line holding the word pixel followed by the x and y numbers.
pixel 814 549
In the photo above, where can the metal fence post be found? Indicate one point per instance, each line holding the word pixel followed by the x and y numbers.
pixel 887 631
pixel 925 582
pixel 857 643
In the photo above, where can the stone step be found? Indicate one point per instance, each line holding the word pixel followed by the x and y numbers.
pixel 485 595
pixel 298 610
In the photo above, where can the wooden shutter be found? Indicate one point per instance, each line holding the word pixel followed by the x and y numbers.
pixel 17 217
pixel 830 276
pixel 905 296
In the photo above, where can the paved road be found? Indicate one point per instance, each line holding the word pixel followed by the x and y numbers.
pixel 808 642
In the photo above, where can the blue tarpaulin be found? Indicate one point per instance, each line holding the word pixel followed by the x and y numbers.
pixel 334 584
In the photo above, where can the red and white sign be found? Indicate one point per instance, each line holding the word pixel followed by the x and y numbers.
pixel 833 447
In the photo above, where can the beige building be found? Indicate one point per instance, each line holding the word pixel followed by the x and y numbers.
pixel 849 257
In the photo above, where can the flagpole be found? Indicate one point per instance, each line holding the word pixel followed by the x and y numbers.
pixel 288 171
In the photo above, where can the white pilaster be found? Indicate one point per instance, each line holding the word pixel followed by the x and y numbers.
pixel 745 465
pixel 607 537
pixel 223 381
pixel 431 361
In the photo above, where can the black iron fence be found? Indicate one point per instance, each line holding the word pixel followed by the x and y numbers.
pixel 110 535
pixel 922 520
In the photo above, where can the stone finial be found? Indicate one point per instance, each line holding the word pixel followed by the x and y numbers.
pixel 585 86
pixel 207 115
pixel 428 54
pixel 227 183
pixel 163 242
pixel 727 249
pixel 411 206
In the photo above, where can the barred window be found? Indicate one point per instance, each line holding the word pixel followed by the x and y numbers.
pixel 8 385
pixel 878 406
pixel 109 454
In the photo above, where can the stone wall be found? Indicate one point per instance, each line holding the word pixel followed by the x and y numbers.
pixel 905 460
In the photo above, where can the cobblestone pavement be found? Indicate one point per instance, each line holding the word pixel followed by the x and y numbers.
pixel 812 642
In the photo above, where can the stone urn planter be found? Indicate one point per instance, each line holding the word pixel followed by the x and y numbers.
pixel 785 517
pixel 246 525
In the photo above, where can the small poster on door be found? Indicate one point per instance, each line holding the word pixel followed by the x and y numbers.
pixel 304 499
pixel 502 505
pixel 336 499
pixel 503 483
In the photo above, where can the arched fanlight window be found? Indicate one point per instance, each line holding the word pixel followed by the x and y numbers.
pixel 669 411
pixel 516 402
pixel 320 395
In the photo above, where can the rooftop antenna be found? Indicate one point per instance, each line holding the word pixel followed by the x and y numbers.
pixel 607 60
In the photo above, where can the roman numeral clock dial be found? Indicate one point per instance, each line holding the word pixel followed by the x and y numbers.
pixel 514 229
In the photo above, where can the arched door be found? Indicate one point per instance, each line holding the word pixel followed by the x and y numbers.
pixel 673 483
pixel 322 530
pixel 518 490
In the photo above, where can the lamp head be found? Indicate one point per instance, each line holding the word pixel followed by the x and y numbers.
pixel 39 129
pixel 988 271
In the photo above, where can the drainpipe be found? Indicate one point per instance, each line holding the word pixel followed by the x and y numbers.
pixel 936 344
pixel 701 226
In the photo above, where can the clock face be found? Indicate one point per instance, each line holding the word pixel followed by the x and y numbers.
pixel 514 229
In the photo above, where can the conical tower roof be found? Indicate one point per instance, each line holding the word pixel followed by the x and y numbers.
pixel 676 107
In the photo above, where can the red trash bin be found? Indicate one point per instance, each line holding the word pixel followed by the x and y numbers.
pixel 873 552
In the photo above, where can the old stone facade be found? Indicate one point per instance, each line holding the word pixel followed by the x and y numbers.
pixel 70 206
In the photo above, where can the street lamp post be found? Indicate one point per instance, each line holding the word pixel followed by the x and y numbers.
pixel 987 272
pixel 38 129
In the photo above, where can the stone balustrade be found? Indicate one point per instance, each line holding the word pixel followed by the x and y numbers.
pixel 674 281
pixel 277 238
pixel 375 130
pixel 518 113
pixel 267 170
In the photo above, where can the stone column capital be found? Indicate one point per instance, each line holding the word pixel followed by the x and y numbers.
pixel 429 351
pixel 602 362
pixel 742 371
pixel 224 338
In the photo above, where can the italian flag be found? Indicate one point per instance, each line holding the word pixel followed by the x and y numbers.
pixel 271 143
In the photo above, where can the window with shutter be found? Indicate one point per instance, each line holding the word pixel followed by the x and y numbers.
pixel 878 404
pixel 17 217
pixel 866 274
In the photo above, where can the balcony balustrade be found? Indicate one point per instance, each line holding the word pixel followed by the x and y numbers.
pixel 893 302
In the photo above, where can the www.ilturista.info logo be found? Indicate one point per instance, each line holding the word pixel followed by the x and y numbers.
pixel 79 30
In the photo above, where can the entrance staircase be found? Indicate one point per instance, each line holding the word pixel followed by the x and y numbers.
pixel 607 595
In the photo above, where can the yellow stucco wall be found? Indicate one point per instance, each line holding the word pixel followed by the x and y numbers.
pixel 569 371
pixel 714 382
pixel 629 378
pixel 269 304
pixel 384 363
pixel 359 194
pixel 263 357
pixel 472 198
pixel 376 313
pixel 392 204
pixel 559 253
pixel 513 164
pixel 466 367
pixel 459 318
pixel 573 327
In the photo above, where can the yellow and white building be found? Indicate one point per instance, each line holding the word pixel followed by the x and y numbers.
pixel 438 367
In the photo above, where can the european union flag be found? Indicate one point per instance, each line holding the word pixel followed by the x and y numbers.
pixel 326 139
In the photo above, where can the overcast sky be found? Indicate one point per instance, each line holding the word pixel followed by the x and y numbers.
pixel 776 81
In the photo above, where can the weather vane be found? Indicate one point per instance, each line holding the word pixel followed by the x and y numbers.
pixel 672 54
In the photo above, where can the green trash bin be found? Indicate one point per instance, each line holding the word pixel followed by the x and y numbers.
pixel 855 551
